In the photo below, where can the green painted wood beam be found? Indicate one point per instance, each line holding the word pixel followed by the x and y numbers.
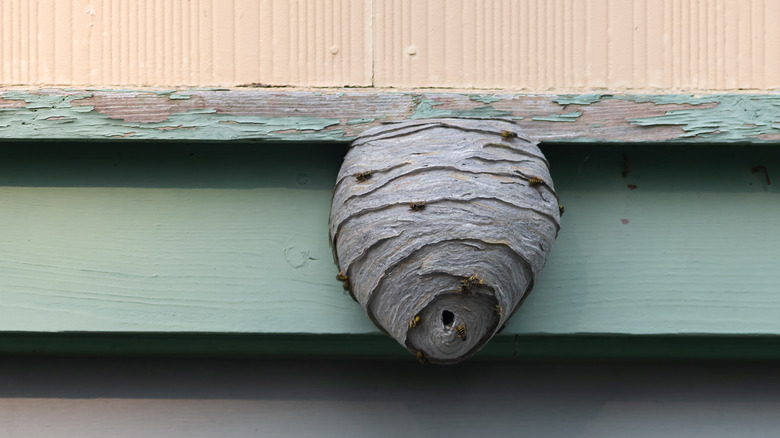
pixel 120 241
pixel 338 115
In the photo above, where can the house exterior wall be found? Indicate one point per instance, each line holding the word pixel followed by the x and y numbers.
pixel 96 398
pixel 96 236
pixel 523 45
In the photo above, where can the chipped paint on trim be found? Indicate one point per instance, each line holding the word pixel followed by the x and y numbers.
pixel 676 99
pixel 44 101
pixel 300 116
pixel 579 99
pixel 734 117
pixel 568 117
pixel 425 110
pixel 44 114
pixel 484 98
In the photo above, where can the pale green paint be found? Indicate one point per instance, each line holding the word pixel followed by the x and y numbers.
pixel 233 239
pixel 44 115
pixel 568 117
pixel 579 99
pixel 426 109
pixel 484 98
pixel 734 117
pixel 43 101
pixel 723 117
pixel 226 127
pixel 226 239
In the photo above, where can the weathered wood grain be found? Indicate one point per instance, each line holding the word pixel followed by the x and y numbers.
pixel 215 238
pixel 338 115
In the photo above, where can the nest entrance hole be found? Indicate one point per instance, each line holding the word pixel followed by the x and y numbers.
pixel 447 318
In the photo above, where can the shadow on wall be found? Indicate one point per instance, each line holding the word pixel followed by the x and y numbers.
pixel 671 167
pixel 88 397
pixel 228 165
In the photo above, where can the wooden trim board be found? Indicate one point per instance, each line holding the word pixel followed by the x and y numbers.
pixel 207 237
pixel 338 115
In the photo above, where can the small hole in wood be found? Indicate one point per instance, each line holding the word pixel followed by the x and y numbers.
pixel 447 318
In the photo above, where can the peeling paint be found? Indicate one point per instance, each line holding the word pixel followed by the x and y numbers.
pixel 226 126
pixel 735 117
pixel 44 116
pixel 579 99
pixel 172 94
pixel 425 110
pixel 56 114
pixel 568 117
pixel 675 99
pixel 44 101
pixel 129 90
pixel 484 98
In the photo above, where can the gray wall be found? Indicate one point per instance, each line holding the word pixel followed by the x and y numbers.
pixel 45 397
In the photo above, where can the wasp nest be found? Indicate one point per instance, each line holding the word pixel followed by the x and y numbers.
pixel 440 228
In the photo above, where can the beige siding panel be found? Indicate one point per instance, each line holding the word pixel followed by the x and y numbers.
pixel 554 44
pixel 511 44
pixel 185 42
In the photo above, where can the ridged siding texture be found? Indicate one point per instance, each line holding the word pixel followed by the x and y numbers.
pixel 544 44
pixel 185 42
pixel 440 228
pixel 513 44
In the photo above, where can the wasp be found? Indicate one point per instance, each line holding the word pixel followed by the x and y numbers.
pixel 535 181
pixel 415 322
pixel 498 310
pixel 363 176
pixel 475 281
pixel 467 283
pixel 461 328
pixel 421 357
pixel 508 134
pixel 560 209
pixel 342 277
pixel 417 206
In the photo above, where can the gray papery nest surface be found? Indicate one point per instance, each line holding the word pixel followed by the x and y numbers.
pixel 440 228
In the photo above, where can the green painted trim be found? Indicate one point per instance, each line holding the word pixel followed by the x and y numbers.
pixel 368 346
pixel 732 117
pixel 484 98
pixel 426 109
pixel 53 116
pixel 334 115
pixel 579 99
pixel 101 237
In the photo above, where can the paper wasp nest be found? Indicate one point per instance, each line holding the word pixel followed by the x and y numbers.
pixel 440 228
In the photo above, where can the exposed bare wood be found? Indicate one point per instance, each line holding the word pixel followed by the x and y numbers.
pixel 341 114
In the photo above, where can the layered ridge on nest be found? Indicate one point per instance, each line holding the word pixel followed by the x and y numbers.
pixel 440 228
